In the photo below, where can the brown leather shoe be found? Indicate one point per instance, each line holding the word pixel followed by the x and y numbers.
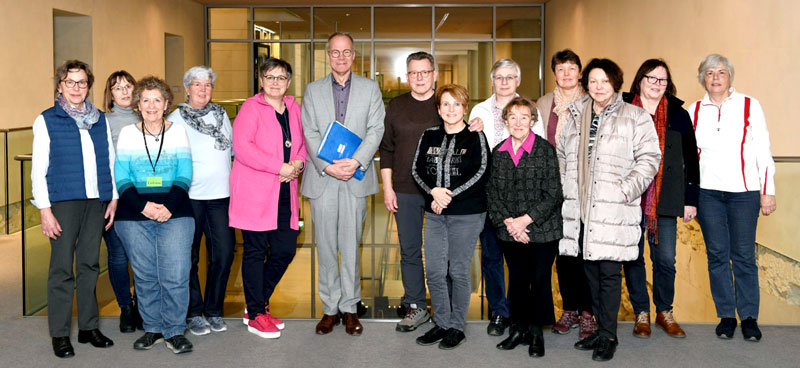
pixel 642 327
pixel 327 323
pixel 665 320
pixel 351 324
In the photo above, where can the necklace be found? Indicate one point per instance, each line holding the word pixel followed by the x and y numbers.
pixel 151 133
pixel 287 138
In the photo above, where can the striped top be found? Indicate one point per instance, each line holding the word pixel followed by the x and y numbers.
pixel 592 133
pixel 163 179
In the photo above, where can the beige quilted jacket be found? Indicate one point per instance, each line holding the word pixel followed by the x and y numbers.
pixel 624 161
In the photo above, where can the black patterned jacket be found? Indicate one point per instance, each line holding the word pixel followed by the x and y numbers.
pixel 532 187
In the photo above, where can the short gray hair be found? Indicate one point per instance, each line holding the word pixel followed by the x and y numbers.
pixel 200 72
pixel 504 63
pixel 421 55
pixel 711 61
pixel 337 34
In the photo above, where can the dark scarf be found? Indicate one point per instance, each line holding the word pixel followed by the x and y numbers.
pixel 194 117
pixel 84 117
pixel 653 193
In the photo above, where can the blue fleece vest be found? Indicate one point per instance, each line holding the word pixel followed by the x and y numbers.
pixel 65 174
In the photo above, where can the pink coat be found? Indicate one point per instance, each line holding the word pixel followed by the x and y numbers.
pixel 258 157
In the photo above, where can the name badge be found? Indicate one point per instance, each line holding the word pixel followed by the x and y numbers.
pixel 153 181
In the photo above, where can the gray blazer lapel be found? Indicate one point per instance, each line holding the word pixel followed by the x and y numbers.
pixel 327 96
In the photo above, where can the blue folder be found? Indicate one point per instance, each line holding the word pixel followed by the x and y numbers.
pixel 337 143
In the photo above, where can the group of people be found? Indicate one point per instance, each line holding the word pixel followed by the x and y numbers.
pixel 579 178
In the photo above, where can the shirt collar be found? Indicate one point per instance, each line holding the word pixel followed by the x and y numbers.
pixel 527 145
pixel 346 83
pixel 707 100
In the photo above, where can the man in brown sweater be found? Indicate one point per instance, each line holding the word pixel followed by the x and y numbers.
pixel 407 116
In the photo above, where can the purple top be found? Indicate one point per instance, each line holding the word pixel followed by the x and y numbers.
pixel 527 146
pixel 552 123
pixel 340 96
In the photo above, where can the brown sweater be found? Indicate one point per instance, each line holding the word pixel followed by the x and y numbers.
pixel 406 119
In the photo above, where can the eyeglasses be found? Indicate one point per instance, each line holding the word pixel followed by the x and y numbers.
pixel 505 78
pixel 423 73
pixel 125 88
pixel 656 80
pixel 336 53
pixel 71 83
pixel 202 85
pixel 274 78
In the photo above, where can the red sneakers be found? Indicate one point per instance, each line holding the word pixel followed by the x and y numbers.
pixel 568 321
pixel 275 320
pixel 587 325
pixel 262 327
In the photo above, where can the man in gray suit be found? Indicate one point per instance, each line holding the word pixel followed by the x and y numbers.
pixel 338 201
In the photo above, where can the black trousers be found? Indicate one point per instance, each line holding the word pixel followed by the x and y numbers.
pixel 530 267
pixel 572 284
pixel 605 285
pixel 259 277
pixel 81 229
pixel 211 219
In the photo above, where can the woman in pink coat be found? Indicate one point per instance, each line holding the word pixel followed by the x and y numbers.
pixel 270 153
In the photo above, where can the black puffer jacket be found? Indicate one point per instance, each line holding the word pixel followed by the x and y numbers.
pixel 681 179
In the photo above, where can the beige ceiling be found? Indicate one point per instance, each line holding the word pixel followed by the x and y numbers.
pixel 360 2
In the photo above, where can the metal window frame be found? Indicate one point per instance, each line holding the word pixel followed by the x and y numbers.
pixel 371 40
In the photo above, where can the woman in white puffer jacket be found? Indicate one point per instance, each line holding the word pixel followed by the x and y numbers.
pixel 608 154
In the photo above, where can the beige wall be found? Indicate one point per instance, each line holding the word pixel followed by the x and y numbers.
pixel 762 39
pixel 119 39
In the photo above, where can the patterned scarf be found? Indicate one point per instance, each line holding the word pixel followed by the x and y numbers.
pixel 653 193
pixel 194 117
pixel 562 101
pixel 499 124
pixel 84 117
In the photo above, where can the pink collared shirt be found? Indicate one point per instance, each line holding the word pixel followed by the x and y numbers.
pixel 527 146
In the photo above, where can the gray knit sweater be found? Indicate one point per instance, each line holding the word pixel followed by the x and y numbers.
pixel 119 118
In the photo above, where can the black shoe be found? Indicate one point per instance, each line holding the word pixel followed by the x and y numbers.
pixel 536 350
pixel 604 349
pixel 62 348
pixel 497 325
pixel 726 327
pixel 179 344
pixel 95 337
pixel 517 335
pixel 588 343
pixel 750 330
pixel 148 340
pixel 127 323
pixel 433 336
pixel 361 309
pixel 452 339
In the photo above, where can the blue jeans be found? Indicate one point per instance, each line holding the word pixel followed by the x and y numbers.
pixel 662 255
pixel 118 268
pixel 160 255
pixel 493 272
pixel 728 221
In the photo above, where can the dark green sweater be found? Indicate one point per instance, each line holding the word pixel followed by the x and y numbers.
pixel 533 187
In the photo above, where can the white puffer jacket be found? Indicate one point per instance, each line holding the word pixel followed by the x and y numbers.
pixel 625 158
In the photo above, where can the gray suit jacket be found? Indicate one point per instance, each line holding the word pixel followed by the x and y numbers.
pixel 364 117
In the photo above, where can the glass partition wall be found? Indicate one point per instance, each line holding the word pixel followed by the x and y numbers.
pixel 465 40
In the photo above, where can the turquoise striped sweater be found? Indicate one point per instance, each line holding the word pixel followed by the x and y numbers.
pixel 133 170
